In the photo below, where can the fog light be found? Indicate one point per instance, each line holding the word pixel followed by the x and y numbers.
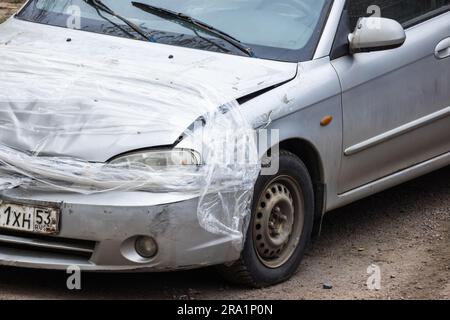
pixel 146 247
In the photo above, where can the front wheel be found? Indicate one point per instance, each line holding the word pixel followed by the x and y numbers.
pixel 280 226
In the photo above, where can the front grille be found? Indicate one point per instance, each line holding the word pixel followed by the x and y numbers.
pixel 49 244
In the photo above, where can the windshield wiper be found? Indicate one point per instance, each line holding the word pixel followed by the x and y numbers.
pixel 99 5
pixel 193 23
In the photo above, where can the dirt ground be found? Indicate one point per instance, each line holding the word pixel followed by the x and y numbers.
pixel 8 7
pixel 404 231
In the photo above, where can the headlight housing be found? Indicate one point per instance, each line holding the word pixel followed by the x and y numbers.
pixel 159 158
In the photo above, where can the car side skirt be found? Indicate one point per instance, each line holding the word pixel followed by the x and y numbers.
pixel 394 179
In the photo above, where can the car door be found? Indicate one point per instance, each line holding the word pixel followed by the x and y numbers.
pixel 396 103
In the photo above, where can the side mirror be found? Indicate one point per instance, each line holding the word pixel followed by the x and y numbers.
pixel 376 34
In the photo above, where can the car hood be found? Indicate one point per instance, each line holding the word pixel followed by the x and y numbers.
pixel 91 96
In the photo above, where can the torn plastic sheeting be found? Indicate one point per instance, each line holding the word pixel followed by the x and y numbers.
pixel 55 108
pixel 76 175
pixel 12 181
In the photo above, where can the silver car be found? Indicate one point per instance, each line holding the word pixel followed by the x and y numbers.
pixel 357 93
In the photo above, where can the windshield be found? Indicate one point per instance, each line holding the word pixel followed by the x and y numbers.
pixel 285 30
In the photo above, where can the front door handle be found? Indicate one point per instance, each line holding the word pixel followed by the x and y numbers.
pixel 442 50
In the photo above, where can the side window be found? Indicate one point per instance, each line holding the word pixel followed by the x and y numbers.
pixel 407 12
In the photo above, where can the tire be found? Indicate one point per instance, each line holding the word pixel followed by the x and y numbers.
pixel 260 264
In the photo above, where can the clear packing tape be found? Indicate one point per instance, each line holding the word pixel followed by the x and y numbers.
pixel 62 119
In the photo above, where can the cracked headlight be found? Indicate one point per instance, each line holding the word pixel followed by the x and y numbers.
pixel 159 158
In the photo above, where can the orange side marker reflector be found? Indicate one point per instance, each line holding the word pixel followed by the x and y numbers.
pixel 326 121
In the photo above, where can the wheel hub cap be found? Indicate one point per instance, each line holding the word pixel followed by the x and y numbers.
pixel 274 224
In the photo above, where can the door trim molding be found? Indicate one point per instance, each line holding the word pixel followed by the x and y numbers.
pixel 394 179
pixel 388 135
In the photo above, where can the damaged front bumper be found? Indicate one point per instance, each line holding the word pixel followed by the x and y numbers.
pixel 67 116
pixel 97 233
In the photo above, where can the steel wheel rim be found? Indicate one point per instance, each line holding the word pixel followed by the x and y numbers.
pixel 278 221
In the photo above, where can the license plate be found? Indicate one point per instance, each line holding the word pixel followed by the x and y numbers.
pixel 43 220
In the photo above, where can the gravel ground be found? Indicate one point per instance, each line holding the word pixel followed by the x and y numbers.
pixel 404 231
pixel 8 7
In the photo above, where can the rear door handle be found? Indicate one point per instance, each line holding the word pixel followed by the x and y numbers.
pixel 442 50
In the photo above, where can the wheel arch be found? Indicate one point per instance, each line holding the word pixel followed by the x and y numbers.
pixel 308 153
